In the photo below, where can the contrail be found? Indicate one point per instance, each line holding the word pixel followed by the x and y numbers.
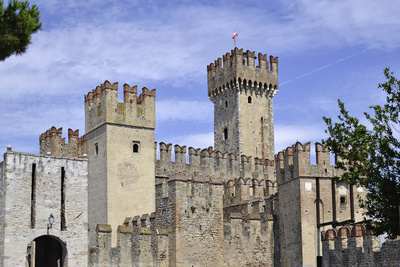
pixel 324 67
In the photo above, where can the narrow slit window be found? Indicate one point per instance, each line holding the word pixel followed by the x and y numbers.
pixel 33 196
pixel 63 225
pixel 249 100
pixel 225 134
pixel 96 149
pixel 226 104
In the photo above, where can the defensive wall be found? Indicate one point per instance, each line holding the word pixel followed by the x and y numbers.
pixel 248 239
pixel 353 245
pixel 188 228
pixel 33 187
pixel 212 164
pixel 53 142
pixel 139 243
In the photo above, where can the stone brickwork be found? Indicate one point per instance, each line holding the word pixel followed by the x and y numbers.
pixel 53 142
pixel 32 188
pixel 243 108
pixel 248 240
pixel 191 209
pixel 353 245
pixel 120 148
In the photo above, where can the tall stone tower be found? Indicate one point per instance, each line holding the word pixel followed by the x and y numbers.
pixel 120 148
pixel 243 108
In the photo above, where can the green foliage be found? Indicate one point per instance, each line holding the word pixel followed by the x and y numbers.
pixel 17 22
pixel 374 156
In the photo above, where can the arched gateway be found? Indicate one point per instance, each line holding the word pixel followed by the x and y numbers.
pixel 46 251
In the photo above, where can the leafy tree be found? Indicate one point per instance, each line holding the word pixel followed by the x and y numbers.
pixel 374 156
pixel 17 22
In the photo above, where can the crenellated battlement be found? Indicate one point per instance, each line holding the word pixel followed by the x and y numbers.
pixel 295 161
pixel 354 245
pixel 237 71
pixel 53 142
pixel 102 106
pixel 136 244
pixel 247 195
pixel 212 164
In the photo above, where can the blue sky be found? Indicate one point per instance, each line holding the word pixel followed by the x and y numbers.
pixel 327 50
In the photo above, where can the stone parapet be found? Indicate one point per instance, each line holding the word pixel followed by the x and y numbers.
pixel 53 142
pixel 213 164
pixel 353 245
pixel 237 71
pixel 137 245
pixel 295 161
pixel 102 106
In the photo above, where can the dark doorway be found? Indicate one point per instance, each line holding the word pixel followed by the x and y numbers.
pixel 48 251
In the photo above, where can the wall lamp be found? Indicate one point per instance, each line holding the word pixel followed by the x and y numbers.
pixel 51 221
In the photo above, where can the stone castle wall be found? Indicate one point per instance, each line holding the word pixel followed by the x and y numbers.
pixel 32 188
pixel 248 240
pixel 139 243
pixel 191 209
pixel 353 245
pixel 189 228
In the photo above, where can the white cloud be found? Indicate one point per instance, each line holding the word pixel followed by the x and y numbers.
pixel 287 135
pixel 184 110
pixel 171 42
pixel 196 140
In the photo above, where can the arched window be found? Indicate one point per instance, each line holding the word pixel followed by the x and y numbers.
pixel 136 146
pixel 225 133
pixel 249 100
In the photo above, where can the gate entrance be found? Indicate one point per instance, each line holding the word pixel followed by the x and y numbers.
pixel 46 251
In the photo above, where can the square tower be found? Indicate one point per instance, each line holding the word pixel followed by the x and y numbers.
pixel 243 109
pixel 120 148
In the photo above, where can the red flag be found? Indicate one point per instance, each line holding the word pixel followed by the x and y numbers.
pixel 234 35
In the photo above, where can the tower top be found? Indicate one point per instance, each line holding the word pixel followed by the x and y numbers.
pixel 240 72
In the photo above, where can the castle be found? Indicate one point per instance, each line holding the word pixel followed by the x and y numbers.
pixel 115 197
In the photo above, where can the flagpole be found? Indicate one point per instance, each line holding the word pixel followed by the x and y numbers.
pixel 234 38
